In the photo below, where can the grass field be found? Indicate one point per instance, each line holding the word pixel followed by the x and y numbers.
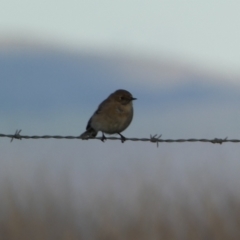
pixel 43 213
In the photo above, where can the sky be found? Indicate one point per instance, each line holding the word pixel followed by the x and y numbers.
pixel 204 32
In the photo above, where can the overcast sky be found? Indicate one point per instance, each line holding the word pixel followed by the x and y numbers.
pixel 203 32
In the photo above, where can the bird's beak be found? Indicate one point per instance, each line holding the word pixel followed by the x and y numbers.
pixel 133 98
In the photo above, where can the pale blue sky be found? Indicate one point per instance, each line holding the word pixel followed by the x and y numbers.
pixel 205 33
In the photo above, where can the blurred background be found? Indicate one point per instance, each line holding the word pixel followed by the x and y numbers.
pixel 59 60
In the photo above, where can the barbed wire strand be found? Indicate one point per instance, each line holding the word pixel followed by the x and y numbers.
pixel 153 139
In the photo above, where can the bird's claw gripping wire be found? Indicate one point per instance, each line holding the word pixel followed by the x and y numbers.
pixel 219 140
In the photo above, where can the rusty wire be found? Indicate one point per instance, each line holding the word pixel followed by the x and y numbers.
pixel 154 139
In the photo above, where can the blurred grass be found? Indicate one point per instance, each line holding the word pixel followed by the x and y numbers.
pixel 37 214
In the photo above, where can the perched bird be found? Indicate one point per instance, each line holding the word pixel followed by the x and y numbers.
pixel 113 115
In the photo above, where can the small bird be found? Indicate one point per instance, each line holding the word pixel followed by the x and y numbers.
pixel 113 115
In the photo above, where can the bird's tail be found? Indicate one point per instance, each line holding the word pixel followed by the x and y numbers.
pixel 89 133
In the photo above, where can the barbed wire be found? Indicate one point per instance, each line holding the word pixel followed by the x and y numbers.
pixel 153 138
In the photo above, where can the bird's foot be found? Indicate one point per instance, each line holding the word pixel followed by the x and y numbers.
pixel 123 139
pixel 103 137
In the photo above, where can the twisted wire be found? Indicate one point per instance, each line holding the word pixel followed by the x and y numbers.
pixel 154 139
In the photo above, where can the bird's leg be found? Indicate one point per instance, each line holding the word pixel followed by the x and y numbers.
pixel 103 137
pixel 123 139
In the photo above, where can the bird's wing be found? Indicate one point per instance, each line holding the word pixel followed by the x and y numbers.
pixel 101 108
pixel 106 104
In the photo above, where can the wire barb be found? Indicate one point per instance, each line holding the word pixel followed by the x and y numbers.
pixel 16 135
pixel 155 138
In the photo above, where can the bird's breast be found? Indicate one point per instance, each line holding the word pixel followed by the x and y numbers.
pixel 115 120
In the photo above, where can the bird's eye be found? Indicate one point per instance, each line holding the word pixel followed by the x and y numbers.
pixel 121 98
